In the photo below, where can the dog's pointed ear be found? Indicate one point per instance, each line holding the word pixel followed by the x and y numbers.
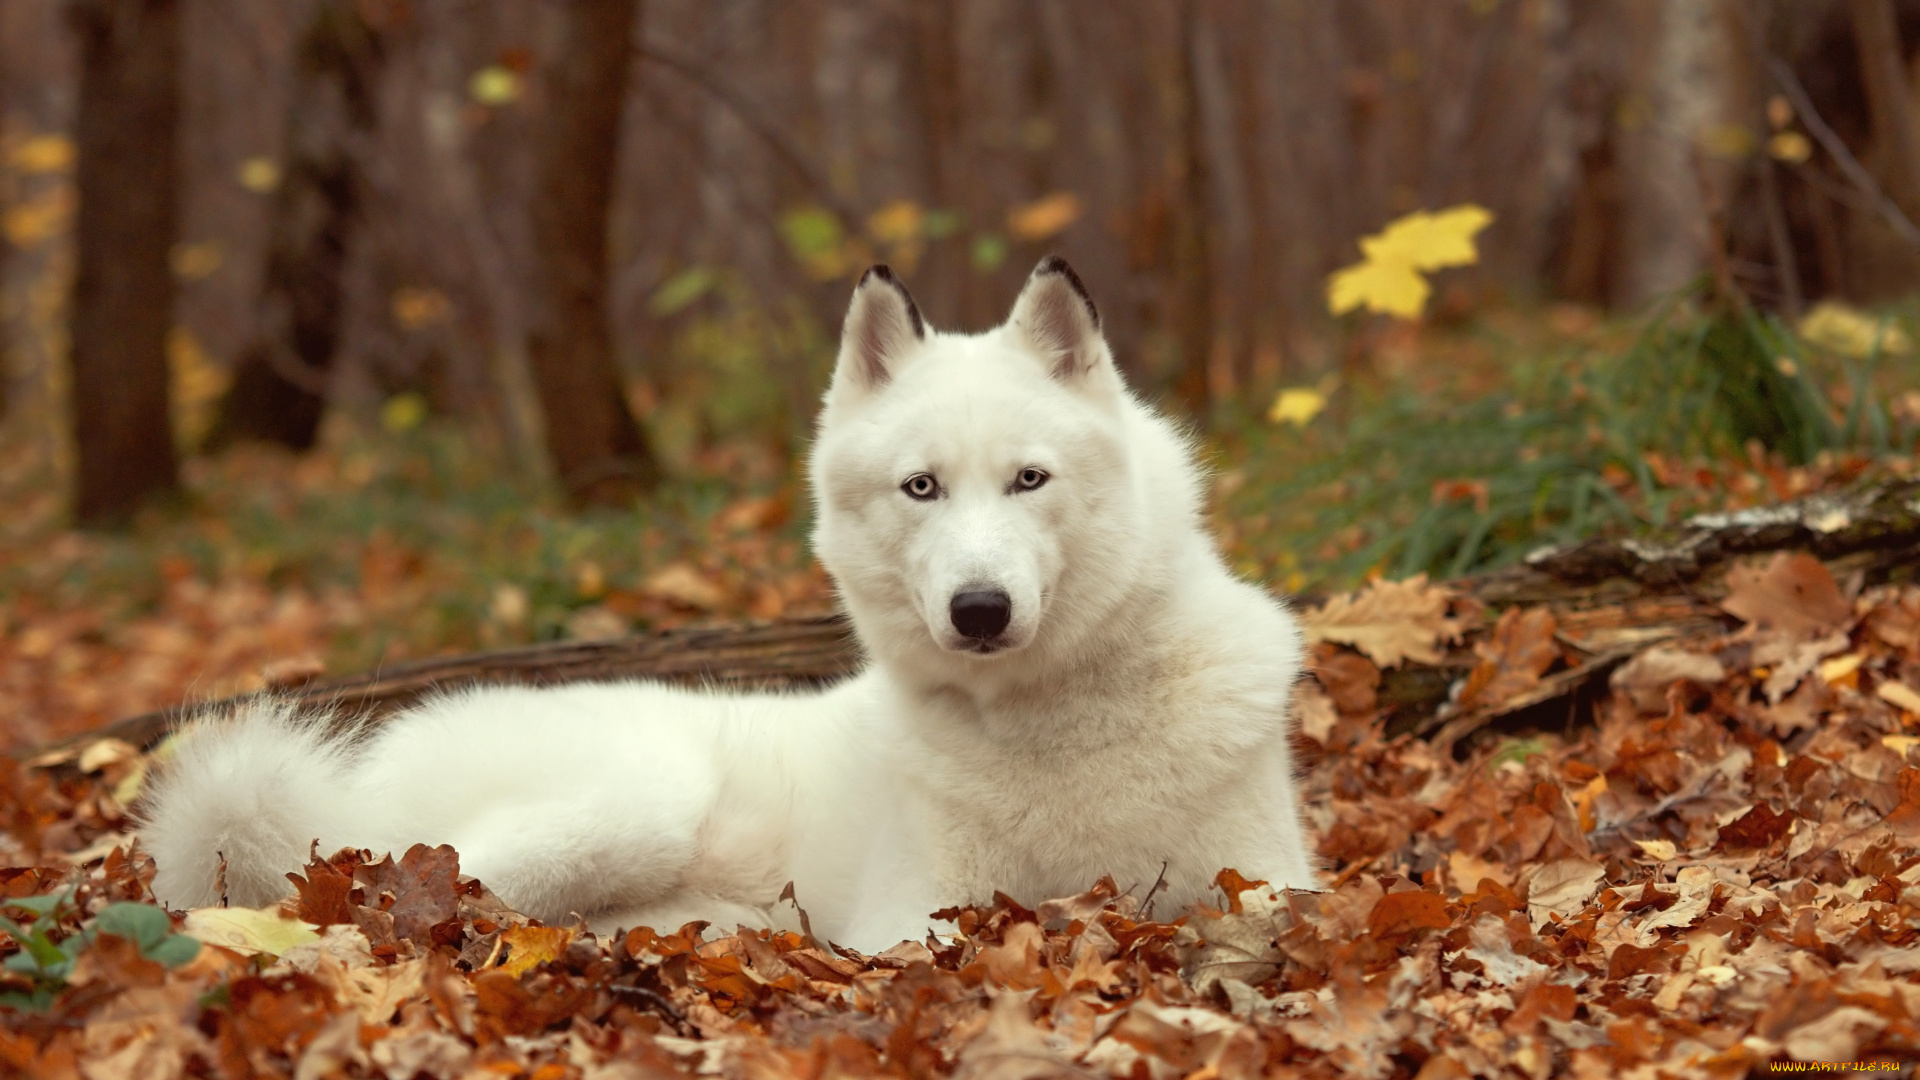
pixel 882 326
pixel 1057 319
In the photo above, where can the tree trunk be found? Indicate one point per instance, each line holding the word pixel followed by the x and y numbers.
pixel 280 382
pixel 1193 284
pixel 1685 84
pixel 127 176
pixel 598 451
pixel 1883 74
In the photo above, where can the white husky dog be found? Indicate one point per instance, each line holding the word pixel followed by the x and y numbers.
pixel 1064 682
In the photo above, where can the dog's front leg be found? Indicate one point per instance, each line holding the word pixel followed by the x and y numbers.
pixel 899 889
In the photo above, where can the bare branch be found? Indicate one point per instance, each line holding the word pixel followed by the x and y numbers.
pixel 791 153
pixel 1796 94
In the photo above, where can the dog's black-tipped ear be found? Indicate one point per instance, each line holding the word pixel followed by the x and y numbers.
pixel 1058 320
pixel 883 324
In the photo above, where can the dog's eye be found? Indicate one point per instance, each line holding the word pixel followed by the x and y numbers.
pixel 921 486
pixel 1030 478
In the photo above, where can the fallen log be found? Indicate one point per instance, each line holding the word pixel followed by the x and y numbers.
pixel 1611 597
pixel 771 655
pixel 1614 596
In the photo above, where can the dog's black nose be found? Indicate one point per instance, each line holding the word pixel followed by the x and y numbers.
pixel 981 613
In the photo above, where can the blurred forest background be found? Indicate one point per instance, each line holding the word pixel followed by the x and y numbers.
pixel 343 331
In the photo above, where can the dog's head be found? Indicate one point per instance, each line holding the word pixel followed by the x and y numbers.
pixel 974 492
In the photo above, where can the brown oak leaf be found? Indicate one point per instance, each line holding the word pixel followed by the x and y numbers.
pixel 1351 680
pixel 422 887
pixel 1405 912
pixel 1757 828
pixel 1391 621
pixel 1521 650
pixel 325 897
pixel 1792 592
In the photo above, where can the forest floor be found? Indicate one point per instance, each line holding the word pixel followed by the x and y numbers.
pixel 1721 872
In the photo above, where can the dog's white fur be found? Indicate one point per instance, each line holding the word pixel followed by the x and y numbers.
pixel 1132 713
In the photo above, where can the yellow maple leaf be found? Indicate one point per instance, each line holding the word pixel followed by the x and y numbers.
pixel 1390 288
pixel 1297 405
pixel 1389 279
pixel 1430 241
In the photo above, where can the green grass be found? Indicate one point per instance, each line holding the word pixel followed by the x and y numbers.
pixel 1692 409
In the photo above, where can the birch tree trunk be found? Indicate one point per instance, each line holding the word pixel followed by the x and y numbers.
pixel 1684 89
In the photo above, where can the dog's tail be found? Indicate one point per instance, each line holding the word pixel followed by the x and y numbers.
pixel 253 789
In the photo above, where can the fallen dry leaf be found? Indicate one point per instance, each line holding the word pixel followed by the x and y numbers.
pixel 248 930
pixel 1790 592
pixel 533 945
pixel 1390 621
pixel 1900 696
pixel 421 886
pixel 1520 650
pixel 1699 882
pixel 1646 677
pixel 679 583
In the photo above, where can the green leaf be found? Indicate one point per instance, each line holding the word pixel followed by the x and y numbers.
pixel 177 949
pixel 39 948
pixel 14 930
pixel 940 224
pixel 812 233
pixel 39 905
pixel 28 964
pixel 681 290
pixel 1518 751
pixel 142 923
pixel 39 1001
pixel 989 251
pixel 403 412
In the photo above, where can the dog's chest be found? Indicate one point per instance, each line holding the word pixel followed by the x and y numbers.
pixel 1089 780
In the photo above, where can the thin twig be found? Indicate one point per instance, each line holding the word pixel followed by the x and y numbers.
pixel 1796 94
pixel 1352 871
pixel 1146 902
pixel 749 115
